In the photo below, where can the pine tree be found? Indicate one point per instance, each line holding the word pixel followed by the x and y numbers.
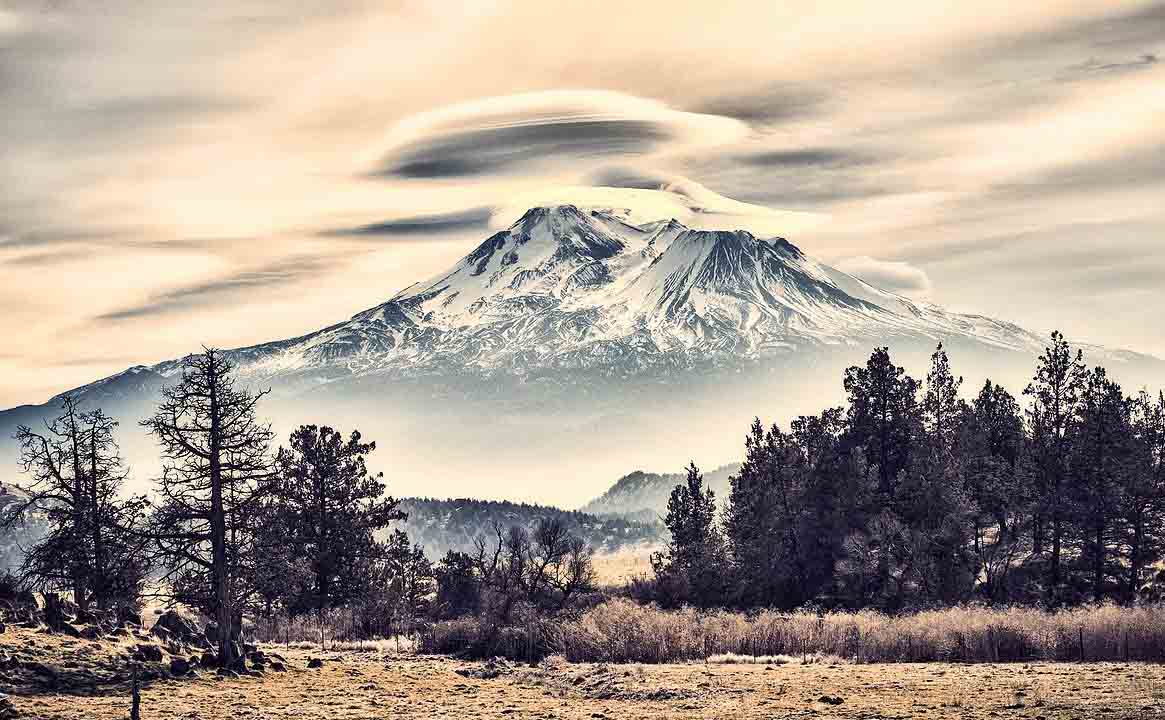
pixel 1142 504
pixel 992 440
pixel 1055 397
pixel 691 569
pixel 215 468
pixel 765 521
pixel 942 409
pixel 330 507
pixel 882 416
pixel 1102 456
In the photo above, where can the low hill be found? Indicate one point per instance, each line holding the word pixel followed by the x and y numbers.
pixel 643 496
pixel 442 525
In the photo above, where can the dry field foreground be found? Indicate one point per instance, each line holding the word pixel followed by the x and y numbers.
pixel 374 685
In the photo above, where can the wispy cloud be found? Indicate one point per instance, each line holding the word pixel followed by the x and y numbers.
pixel 280 273
pixel 435 224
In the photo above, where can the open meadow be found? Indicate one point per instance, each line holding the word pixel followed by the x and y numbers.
pixel 51 677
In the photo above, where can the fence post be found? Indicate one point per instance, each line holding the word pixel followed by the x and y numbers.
pixel 135 712
pixel 1081 630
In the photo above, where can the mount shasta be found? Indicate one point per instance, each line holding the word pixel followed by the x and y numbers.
pixel 574 346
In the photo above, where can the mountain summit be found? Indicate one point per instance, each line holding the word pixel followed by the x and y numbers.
pixel 564 288
pixel 573 331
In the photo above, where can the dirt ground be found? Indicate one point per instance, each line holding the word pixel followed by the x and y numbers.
pixel 374 685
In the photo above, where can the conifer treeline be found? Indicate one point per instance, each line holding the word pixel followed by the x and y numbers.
pixel 909 496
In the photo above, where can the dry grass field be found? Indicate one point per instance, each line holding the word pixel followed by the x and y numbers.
pixel 352 685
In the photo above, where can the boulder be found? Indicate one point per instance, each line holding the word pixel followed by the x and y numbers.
pixel 91 632
pixel 180 666
pixel 315 662
pixel 176 626
pixel 68 629
pixel 209 659
pixel 149 651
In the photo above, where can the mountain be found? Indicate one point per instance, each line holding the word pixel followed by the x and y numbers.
pixel 573 344
pixel 442 525
pixel 643 495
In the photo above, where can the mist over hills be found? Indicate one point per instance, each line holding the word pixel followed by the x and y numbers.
pixel 573 345
pixel 643 495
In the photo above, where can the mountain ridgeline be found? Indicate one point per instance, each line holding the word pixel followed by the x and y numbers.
pixel 443 525
pixel 574 330
pixel 643 495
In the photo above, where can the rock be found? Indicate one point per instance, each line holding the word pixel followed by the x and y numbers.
pixel 128 616
pixel 177 626
pixel 180 666
pixel 7 709
pixel 277 666
pixel 248 648
pixel 68 629
pixel 149 651
pixel 91 633
pixel 209 659
pixel 315 662
pixel 830 700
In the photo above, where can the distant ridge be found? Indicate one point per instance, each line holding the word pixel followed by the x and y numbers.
pixel 643 495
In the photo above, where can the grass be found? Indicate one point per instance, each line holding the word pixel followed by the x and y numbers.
pixel 622 631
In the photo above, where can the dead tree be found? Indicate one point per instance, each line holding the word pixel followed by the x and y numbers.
pixel 214 469
pixel 74 478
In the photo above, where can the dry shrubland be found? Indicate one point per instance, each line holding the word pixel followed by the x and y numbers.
pixel 623 631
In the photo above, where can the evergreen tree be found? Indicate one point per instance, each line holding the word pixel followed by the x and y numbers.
pixel 691 569
pixel 942 408
pixel 992 440
pixel 1102 456
pixel 1142 501
pixel 1055 397
pixel 882 416
pixel 765 521
pixel 215 466
pixel 330 508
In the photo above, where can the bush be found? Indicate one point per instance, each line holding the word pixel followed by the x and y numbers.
pixel 622 631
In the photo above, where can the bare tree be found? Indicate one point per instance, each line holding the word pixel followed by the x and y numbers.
pixel 75 478
pixel 214 465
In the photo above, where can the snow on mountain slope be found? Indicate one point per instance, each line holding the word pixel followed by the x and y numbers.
pixel 565 288
pixel 570 288
pixel 573 345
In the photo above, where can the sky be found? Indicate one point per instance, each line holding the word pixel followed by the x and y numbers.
pixel 175 174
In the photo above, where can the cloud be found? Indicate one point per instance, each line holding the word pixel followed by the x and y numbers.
pixel 804 157
pixel 276 274
pixel 436 224
pixel 514 132
pixel 768 105
pixel 645 195
pixel 895 276
pixel 1093 66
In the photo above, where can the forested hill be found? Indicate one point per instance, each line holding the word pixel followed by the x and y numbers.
pixel 12 540
pixel 643 496
pixel 442 525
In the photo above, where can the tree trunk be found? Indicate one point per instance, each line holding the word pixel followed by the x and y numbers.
pixel 100 578
pixel 78 507
pixel 218 537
